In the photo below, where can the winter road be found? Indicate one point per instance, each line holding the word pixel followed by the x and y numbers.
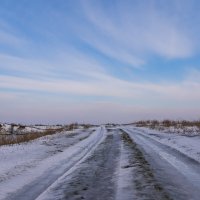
pixel 119 163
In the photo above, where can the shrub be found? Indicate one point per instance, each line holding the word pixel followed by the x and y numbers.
pixel 15 139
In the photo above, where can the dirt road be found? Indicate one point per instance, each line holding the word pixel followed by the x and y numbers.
pixel 118 163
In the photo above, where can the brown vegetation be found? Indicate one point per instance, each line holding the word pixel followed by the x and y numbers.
pixel 26 137
pixel 15 139
pixel 181 126
pixel 167 123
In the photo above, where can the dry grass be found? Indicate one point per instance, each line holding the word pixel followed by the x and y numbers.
pixel 167 123
pixel 26 137
pixel 181 126
pixel 15 139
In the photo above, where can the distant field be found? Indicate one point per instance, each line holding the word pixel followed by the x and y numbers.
pixel 14 134
pixel 171 126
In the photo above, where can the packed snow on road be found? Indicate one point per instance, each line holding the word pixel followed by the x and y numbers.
pixel 105 162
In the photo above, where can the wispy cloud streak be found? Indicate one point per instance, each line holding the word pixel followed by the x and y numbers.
pixel 99 56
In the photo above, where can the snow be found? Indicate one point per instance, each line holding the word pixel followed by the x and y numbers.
pixel 189 130
pixel 176 168
pixel 47 194
pixel 25 163
pixel 33 170
pixel 23 129
pixel 5 128
pixel 124 185
pixel 189 145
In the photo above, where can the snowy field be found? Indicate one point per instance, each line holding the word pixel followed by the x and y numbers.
pixel 189 128
pixel 187 144
pixel 122 163
pixel 7 129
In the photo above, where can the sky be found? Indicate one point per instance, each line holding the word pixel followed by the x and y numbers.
pixel 99 61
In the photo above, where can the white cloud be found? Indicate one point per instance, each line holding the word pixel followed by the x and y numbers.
pixel 129 100
pixel 129 34
pixel 101 84
pixel 69 63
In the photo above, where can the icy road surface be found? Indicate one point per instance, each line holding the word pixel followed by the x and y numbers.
pixel 121 163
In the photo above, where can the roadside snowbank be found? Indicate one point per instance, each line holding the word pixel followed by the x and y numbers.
pixel 23 164
pixel 189 145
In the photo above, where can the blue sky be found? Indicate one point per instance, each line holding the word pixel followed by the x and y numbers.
pixel 99 61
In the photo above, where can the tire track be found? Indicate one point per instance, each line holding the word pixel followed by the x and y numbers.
pixel 176 172
pixel 95 178
pixel 144 184
pixel 79 152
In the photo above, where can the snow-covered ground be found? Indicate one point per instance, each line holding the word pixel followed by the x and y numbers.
pixel 187 144
pixel 177 128
pixel 42 161
pixel 23 129
pixel 174 160
pixel 187 130
pixel 121 162
pixel 5 128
